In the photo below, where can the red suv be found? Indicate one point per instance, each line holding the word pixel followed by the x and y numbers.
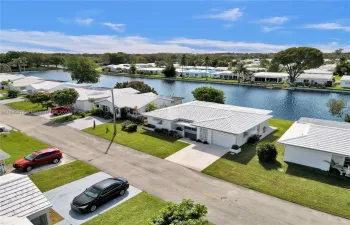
pixel 49 155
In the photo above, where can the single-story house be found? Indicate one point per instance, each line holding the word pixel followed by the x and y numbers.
pixel 51 86
pixel 8 76
pixel 88 97
pixel 318 71
pixel 345 82
pixel 315 143
pixel 220 124
pixel 145 70
pixel 269 77
pixel 21 198
pixel 225 75
pixel 118 68
pixel 23 83
pixel 194 73
pixel 256 69
pixel 315 78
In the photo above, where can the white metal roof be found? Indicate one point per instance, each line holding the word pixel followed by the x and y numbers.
pixel 270 75
pixel 20 197
pixel 318 71
pixel 46 85
pixel 312 76
pixel 26 81
pixel 345 78
pixel 322 136
pixel 227 118
pixel 8 76
pixel 132 100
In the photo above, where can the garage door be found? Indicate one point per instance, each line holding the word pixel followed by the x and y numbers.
pixel 223 139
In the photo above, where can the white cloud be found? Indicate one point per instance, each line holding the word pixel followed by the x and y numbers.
pixel 38 41
pixel 270 29
pixel 230 15
pixel 274 20
pixel 227 26
pixel 114 26
pixel 328 26
pixel 86 21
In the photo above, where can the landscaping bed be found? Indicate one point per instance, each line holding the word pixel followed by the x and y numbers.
pixel 156 144
pixel 27 106
pixel 58 176
pixel 18 145
pixel 303 185
pixel 63 119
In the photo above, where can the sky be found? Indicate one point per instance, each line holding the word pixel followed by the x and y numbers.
pixel 173 26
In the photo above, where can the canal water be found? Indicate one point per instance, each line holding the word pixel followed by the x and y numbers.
pixel 285 104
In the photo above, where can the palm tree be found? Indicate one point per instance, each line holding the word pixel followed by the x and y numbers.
pixel 206 62
pixel 6 83
pixel 241 70
pixel 197 61
pixel 19 62
pixel 183 63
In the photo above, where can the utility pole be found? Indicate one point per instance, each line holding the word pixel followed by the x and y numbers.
pixel 114 120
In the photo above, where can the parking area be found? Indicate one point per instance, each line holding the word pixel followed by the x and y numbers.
pixel 62 196
pixel 86 122
pixel 197 156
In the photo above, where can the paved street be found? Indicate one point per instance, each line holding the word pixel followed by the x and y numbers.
pixel 227 203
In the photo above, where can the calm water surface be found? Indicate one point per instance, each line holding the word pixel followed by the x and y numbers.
pixel 289 105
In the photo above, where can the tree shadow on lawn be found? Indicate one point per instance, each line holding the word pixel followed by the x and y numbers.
pixel 275 165
pixel 53 124
pixel 317 175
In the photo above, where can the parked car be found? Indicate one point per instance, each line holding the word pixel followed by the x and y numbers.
pixel 59 110
pixel 41 157
pixel 99 193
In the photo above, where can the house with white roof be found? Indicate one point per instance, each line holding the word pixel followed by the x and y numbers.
pixel 345 82
pixel 270 77
pixel 220 124
pixel 146 70
pixel 227 75
pixel 9 77
pixel 318 71
pixel 23 83
pixel 51 86
pixel 21 199
pixel 315 143
pixel 314 78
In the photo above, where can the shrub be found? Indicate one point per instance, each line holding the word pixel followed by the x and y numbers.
pixel 149 125
pixel 158 130
pixel 128 126
pixel 96 111
pixel 307 84
pixel 205 142
pixel 266 152
pixel 165 131
pixel 172 133
pixel 82 115
pixel 13 93
pixel 235 147
pixel 300 84
pixel 107 115
pixel 198 140
pixel 253 139
pixel 177 136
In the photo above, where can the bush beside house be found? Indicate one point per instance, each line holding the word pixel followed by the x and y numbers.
pixel 266 152
pixel 12 93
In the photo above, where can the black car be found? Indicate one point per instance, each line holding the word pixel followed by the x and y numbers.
pixel 99 193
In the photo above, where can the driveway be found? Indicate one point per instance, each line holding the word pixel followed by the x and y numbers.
pixel 61 198
pixel 86 122
pixel 227 203
pixel 197 156
pixel 48 115
pixel 5 101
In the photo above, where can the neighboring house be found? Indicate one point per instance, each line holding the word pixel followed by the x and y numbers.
pixel 219 124
pixel 21 198
pixel 143 70
pixel 195 73
pixel 8 76
pixel 315 143
pixel 51 86
pixel 270 77
pixel 313 78
pixel 318 71
pixel 88 97
pixel 227 75
pixel 256 69
pixel 345 82
pixel 23 83
pixel 118 68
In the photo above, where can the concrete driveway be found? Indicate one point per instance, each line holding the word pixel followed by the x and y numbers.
pixel 197 156
pixel 86 122
pixel 5 101
pixel 48 115
pixel 61 198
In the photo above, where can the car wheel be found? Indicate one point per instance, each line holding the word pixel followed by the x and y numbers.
pixel 55 160
pixel 29 168
pixel 122 192
pixel 93 208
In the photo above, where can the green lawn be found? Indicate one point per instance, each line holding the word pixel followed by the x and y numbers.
pixel 137 211
pixel 303 185
pixel 145 141
pixel 18 145
pixel 26 106
pixel 3 91
pixel 61 175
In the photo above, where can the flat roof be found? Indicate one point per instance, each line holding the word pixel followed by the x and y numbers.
pixel 270 75
pixel 8 76
pixel 26 81
pixel 310 76
pixel 46 85
pixel 321 135
pixel 345 78
pixel 20 197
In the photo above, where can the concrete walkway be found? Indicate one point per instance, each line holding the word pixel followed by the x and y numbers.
pixel 197 156
pixel 228 204
pixel 61 198
pixel 83 123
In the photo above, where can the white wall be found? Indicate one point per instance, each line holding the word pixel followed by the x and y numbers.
pixel 318 81
pixel 222 139
pixel 165 123
pixel 307 157
pixel 83 105
pixel 345 84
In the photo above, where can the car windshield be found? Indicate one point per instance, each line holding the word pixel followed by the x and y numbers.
pixel 92 192
pixel 30 157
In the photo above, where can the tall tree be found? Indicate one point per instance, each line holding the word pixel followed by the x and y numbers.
pixel 209 94
pixel 296 60
pixel 83 70
pixel 132 69
pixel 137 85
pixel 19 63
pixel 57 60
pixel 183 62
pixel 40 98
pixel 207 63
pixel 67 96
pixel 241 71
pixel 169 70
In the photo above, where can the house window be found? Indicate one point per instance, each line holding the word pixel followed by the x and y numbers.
pixel 347 162
pixel 160 122
pixel 105 108
pixel 264 129
pixel 245 134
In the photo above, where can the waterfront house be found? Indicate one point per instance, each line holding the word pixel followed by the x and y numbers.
pixel 51 86
pixel 219 124
pixel 9 77
pixel 21 199
pixel 345 82
pixel 196 73
pixel 318 71
pixel 23 83
pixel 227 75
pixel 316 78
pixel 149 71
pixel 315 143
pixel 270 77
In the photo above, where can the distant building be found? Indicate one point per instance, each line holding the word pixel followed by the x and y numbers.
pixel 345 82
pixel 270 77
pixel 315 78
